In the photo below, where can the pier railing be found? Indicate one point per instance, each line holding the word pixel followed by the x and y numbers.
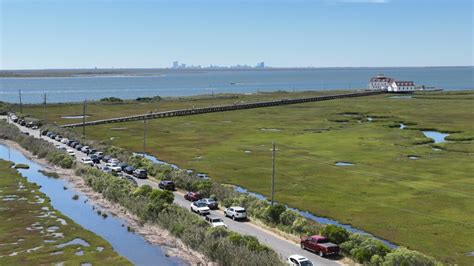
pixel 224 108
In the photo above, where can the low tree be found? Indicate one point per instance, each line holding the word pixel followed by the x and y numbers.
pixel 335 233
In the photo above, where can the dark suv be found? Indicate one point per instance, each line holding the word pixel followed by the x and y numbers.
pixel 141 173
pixel 166 184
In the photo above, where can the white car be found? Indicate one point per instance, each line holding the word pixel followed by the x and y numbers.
pixel 298 260
pixel 57 146
pixel 64 140
pixel 235 213
pixel 87 160
pixel 71 152
pixel 115 161
pixel 200 208
pixel 85 149
pixel 215 221
pixel 114 167
pixel 58 138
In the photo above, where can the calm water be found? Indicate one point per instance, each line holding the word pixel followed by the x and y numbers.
pixel 132 246
pixel 183 83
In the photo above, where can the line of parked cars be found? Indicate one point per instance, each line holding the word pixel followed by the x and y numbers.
pixel 23 122
pixel 95 157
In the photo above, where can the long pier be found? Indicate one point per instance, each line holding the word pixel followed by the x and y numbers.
pixel 224 108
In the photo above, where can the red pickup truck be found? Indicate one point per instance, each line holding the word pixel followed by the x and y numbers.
pixel 320 245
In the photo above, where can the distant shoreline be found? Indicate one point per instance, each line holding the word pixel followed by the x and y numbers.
pixel 154 72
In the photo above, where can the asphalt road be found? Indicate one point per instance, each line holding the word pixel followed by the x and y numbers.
pixel 284 247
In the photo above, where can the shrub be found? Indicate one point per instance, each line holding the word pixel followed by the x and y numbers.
pixel 404 256
pixel 111 99
pixel 144 190
pixel 288 217
pixel 335 234
pixel 363 247
pixel 22 166
pixel 273 212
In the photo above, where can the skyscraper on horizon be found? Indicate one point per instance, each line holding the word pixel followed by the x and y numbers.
pixel 175 64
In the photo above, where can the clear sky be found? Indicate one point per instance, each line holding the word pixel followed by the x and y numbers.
pixel 283 33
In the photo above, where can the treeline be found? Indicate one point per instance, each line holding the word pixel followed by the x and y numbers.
pixel 363 249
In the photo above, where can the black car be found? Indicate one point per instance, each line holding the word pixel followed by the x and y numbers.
pixel 106 159
pixel 70 142
pixel 73 144
pixel 123 165
pixel 167 185
pixel 44 133
pixel 91 151
pixel 94 158
pixel 141 173
pixel 52 136
pixel 211 203
pixel 78 147
pixel 129 170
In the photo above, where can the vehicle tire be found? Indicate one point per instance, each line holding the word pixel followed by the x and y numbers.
pixel 233 217
pixel 321 254
pixel 302 246
pixel 191 209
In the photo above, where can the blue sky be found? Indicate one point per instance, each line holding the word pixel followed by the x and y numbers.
pixel 283 33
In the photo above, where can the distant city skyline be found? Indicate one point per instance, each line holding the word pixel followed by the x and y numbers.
pixel 177 65
pixel 76 34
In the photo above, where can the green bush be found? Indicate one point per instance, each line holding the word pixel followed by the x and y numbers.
pixel 403 256
pixel 363 247
pixel 111 99
pixel 273 212
pixel 335 234
pixel 22 166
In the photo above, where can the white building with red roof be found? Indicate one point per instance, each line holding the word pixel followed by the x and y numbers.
pixel 382 82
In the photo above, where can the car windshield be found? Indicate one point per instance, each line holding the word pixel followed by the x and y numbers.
pixel 201 204
pixel 322 240
pixel 240 211
pixel 306 263
pixel 217 220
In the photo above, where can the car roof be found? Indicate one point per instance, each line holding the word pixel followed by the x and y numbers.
pixel 238 208
pixel 298 257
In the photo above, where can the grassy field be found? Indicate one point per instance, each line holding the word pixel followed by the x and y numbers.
pixel 103 110
pixel 26 238
pixel 425 204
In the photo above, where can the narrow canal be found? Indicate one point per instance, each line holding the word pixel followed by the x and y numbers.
pixel 113 229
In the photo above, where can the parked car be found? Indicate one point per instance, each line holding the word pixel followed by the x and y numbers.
pixel 106 169
pixel 319 245
pixel 140 173
pixel 114 167
pixel 192 196
pixel 212 204
pixel 34 127
pixel 58 138
pixel 123 165
pixel 129 170
pixel 44 133
pixel 200 208
pixel 113 160
pixel 99 154
pixel 94 158
pixel 91 151
pixel 70 142
pixel 106 158
pixel 85 149
pixel 52 136
pixel 166 184
pixel 64 141
pixel 215 221
pixel 71 152
pixel 57 146
pixel 202 176
pixel 298 260
pixel 78 147
pixel 236 213
pixel 87 160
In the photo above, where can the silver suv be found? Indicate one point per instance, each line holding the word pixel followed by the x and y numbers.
pixel 236 213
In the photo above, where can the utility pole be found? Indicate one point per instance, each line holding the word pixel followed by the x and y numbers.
pixel 273 172
pixel 21 104
pixel 84 118
pixel 44 109
pixel 144 135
